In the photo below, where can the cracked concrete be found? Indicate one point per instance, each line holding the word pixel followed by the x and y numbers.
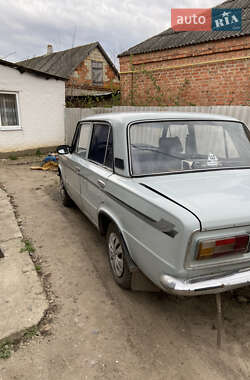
pixel 22 301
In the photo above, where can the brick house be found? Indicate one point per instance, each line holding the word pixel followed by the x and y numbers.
pixel 88 70
pixel 190 68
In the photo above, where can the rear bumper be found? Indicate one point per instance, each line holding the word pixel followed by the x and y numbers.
pixel 216 285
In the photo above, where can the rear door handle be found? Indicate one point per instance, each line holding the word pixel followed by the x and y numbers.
pixel 77 169
pixel 101 183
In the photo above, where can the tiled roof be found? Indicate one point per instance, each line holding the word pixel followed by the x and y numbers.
pixel 169 39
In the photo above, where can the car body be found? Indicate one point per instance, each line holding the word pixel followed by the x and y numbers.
pixel 172 193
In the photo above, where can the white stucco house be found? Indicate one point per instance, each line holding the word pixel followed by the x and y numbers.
pixel 31 108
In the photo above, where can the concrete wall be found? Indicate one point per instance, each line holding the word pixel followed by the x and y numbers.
pixel 82 76
pixel 207 74
pixel 73 115
pixel 41 111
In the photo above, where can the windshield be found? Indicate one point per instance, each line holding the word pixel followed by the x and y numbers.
pixel 169 146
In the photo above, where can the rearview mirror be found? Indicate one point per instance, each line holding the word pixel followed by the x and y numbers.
pixel 63 149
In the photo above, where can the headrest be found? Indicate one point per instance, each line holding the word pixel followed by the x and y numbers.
pixel 170 144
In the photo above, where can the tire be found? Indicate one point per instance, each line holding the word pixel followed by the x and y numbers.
pixel 65 198
pixel 117 254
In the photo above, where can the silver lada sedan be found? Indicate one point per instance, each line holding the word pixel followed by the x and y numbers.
pixel 171 192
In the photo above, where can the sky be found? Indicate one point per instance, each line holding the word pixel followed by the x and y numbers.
pixel 28 26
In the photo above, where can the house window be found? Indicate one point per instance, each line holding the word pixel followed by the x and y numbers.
pixel 8 110
pixel 97 73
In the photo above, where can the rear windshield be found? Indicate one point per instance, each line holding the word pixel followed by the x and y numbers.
pixel 170 146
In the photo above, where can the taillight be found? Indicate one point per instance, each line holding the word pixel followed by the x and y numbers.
pixel 214 248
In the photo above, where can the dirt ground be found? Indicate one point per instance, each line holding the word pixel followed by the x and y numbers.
pixel 100 331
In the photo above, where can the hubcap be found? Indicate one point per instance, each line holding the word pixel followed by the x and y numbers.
pixel 116 254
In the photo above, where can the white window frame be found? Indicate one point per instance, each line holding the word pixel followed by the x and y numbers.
pixel 12 127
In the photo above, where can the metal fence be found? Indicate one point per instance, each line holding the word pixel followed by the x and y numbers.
pixel 73 115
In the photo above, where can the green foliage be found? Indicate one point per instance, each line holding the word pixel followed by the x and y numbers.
pixel 89 101
pixel 38 268
pixel 28 247
pixel 38 153
pixel 29 333
pixel 5 350
pixel 12 157
pixel 6 347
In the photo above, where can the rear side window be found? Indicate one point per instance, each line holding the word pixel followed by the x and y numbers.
pixel 101 146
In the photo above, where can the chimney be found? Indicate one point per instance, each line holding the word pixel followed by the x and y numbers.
pixel 49 49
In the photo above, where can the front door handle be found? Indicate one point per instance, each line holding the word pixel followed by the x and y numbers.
pixel 77 169
pixel 101 183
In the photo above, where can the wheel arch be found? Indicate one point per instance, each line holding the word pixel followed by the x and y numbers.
pixel 105 217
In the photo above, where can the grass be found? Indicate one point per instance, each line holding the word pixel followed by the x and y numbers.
pixel 12 157
pixel 28 247
pixel 29 333
pixel 38 268
pixel 6 347
pixel 5 350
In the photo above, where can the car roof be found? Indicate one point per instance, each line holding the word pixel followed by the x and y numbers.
pixel 128 117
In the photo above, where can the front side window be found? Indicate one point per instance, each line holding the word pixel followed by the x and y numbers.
pixel 83 139
pixel 170 146
pixel 101 146
pixel 8 110
pixel 97 73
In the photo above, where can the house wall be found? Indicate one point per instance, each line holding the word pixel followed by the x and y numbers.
pixel 82 76
pixel 41 111
pixel 214 73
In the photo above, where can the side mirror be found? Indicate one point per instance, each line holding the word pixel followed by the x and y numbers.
pixel 63 149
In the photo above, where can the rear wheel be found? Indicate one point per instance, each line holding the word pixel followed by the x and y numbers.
pixel 65 198
pixel 118 257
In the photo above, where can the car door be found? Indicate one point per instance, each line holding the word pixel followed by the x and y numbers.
pixel 97 169
pixel 76 159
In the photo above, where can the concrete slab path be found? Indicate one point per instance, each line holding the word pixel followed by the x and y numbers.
pixel 22 300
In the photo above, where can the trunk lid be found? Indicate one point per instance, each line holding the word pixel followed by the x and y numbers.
pixel 220 199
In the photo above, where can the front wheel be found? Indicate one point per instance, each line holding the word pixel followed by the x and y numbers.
pixel 118 257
